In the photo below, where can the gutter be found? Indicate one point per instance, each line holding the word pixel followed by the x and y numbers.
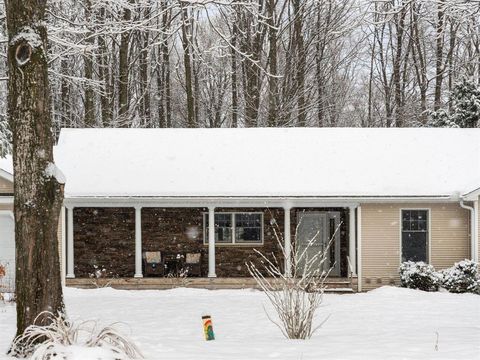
pixel 473 236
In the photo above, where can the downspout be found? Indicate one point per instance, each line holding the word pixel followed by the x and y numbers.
pixel 472 229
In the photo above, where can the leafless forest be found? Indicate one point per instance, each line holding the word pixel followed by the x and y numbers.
pixel 174 63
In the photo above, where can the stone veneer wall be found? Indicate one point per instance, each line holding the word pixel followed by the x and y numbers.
pixel 231 259
pixel 173 230
pixel 180 230
pixel 104 237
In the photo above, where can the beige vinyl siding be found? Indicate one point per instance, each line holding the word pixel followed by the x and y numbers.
pixel 6 207
pixel 450 235
pixel 6 186
pixel 478 230
pixel 381 239
pixel 59 229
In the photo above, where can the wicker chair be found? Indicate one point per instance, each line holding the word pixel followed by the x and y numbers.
pixel 153 264
pixel 193 263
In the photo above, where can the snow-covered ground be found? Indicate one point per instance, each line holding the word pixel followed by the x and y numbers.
pixel 387 323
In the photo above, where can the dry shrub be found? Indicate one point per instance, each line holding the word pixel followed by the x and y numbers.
pixel 295 297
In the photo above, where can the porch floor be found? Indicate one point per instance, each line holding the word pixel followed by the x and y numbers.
pixel 339 285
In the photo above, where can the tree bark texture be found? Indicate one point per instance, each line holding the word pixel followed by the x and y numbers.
pixel 38 194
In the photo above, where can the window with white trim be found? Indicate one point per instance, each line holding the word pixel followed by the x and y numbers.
pixel 415 235
pixel 236 228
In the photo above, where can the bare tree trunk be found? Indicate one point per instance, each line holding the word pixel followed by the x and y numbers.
pixel 89 110
pixel 370 83
pixel 233 56
pixel 252 31
pixel 67 120
pixel 419 61
pixel 163 73
pixel 104 74
pixel 272 58
pixel 38 194
pixel 124 71
pixel 453 38
pixel 439 72
pixel 187 63
pixel 399 24
pixel 301 61
pixel 144 80
pixel 168 87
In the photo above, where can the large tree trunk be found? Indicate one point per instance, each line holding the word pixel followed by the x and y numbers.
pixel 38 193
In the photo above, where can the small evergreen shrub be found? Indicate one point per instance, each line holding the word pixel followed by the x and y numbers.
pixel 461 277
pixel 418 275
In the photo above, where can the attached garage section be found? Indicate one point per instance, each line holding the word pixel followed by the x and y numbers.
pixel 7 249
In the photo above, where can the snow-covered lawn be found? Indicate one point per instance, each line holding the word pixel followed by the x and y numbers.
pixel 387 323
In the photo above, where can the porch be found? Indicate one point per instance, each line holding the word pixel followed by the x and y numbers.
pixel 336 285
pixel 114 237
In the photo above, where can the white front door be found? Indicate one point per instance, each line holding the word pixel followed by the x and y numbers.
pixel 314 232
pixel 7 250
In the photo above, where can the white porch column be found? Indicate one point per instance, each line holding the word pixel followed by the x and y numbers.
pixel 211 242
pixel 63 246
pixel 138 242
pixel 288 242
pixel 359 247
pixel 70 267
pixel 351 244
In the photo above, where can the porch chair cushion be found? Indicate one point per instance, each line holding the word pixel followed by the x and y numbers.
pixel 192 258
pixel 153 257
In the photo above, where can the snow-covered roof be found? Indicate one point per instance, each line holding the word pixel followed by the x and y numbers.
pixel 269 162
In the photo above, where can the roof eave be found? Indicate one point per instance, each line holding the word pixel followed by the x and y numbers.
pixel 472 195
pixel 245 201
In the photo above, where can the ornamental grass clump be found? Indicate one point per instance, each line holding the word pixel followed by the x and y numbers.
pixel 62 339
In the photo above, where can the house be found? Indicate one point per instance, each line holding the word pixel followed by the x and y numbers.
pixel 381 195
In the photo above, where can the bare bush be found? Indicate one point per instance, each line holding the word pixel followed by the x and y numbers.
pixel 60 337
pixel 7 280
pixel 295 296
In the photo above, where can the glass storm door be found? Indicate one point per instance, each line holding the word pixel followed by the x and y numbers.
pixel 315 229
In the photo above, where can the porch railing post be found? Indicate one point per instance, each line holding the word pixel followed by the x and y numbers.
pixel 70 254
pixel 352 239
pixel 288 242
pixel 138 242
pixel 211 242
